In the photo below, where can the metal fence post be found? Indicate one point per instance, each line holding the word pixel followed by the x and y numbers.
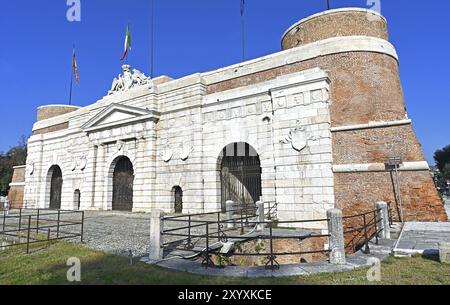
pixel 4 219
pixel 242 222
pixel 28 234
pixel 336 231
pixel 272 258
pixel 218 226
pixel 189 231
pixel 20 220
pixel 207 245
pixel 37 222
pixel 82 226
pixel 366 237
pixel 376 226
pixel 57 224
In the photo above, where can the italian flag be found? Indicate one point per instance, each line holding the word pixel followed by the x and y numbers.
pixel 127 45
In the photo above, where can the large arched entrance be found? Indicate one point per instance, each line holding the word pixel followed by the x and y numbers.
pixel 123 178
pixel 240 175
pixel 56 182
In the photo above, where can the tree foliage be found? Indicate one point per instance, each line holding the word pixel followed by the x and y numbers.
pixel 442 158
pixel 15 156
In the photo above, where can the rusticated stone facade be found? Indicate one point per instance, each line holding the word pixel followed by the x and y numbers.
pixel 323 116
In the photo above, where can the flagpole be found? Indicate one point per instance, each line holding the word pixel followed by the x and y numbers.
pixel 243 38
pixel 243 29
pixel 71 78
pixel 152 48
pixel 71 85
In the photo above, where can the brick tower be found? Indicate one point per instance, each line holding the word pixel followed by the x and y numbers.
pixel 369 121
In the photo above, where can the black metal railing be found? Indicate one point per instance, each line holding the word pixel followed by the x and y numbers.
pixel 217 230
pixel 368 227
pixel 24 227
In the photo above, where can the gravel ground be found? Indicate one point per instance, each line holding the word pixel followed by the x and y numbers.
pixel 117 232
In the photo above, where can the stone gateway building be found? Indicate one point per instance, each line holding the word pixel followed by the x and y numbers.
pixel 310 128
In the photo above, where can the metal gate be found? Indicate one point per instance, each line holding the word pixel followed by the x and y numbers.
pixel 123 185
pixel 240 176
pixel 56 188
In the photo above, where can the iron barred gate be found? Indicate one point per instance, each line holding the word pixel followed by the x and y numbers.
pixel 56 188
pixel 240 175
pixel 123 185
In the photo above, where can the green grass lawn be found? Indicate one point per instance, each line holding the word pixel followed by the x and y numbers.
pixel 48 266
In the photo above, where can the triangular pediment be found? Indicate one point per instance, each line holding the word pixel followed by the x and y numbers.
pixel 117 114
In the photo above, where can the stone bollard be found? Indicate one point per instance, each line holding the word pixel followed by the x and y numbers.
pixel 444 252
pixel 230 206
pixel 383 220
pixel 336 231
pixel 156 241
pixel 261 216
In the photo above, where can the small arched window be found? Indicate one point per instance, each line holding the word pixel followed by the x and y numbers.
pixel 177 194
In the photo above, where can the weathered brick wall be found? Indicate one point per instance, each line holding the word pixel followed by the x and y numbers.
pixel 50 111
pixel 53 128
pixel 365 86
pixel 16 192
pixel 15 197
pixel 358 192
pixel 335 24
pixel 376 145
pixel 19 174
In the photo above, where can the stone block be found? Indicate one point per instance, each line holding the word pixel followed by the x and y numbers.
pixel 444 253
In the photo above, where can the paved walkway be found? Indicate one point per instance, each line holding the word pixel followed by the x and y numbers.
pixel 422 237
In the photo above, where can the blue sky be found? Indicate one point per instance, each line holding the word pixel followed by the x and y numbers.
pixel 196 36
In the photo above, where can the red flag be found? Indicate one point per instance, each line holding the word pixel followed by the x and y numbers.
pixel 75 66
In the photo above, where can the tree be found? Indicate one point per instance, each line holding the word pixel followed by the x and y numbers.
pixel 446 172
pixel 15 156
pixel 442 157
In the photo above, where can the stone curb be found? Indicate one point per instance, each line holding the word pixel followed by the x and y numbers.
pixel 355 261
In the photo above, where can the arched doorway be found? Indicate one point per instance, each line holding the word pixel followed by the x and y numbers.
pixel 123 178
pixel 77 199
pixel 177 193
pixel 56 182
pixel 240 175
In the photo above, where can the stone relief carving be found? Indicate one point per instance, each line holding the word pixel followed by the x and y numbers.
pixel 299 138
pixel 186 150
pixel 119 145
pixel 129 79
pixel 167 155
pixel 73 164
pixel 83 162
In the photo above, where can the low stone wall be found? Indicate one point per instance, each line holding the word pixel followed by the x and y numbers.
pixel 280 246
